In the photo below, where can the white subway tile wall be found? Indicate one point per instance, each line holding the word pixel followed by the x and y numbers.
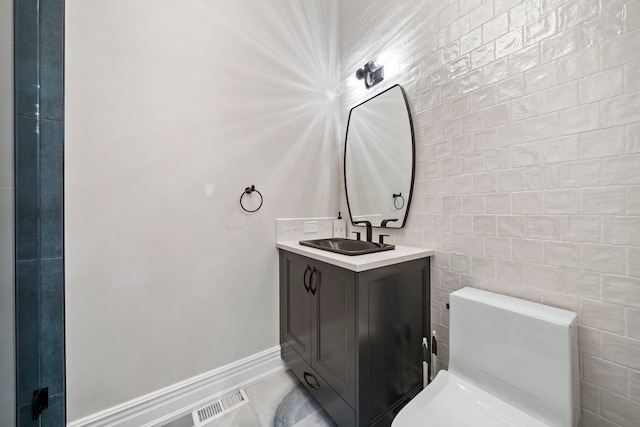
pixel 527 121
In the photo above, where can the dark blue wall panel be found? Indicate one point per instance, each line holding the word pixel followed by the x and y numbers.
pixel 51 174
pixel 51 59
pixel 28 333
pixel 39 145
pixel 52 325
pixel 27 181
pixel 25 26
pixel 24 417
pixel 54 416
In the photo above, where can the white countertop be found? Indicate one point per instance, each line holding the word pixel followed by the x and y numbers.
pixel 359 262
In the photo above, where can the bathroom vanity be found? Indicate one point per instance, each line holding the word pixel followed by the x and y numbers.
pixel 351 328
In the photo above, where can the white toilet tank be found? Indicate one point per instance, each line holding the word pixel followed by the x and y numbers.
pixel 521 352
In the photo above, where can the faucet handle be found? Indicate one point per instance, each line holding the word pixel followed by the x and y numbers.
pixel 357 233
pixel 381 238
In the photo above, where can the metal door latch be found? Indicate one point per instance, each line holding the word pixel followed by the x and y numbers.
pixel 40 402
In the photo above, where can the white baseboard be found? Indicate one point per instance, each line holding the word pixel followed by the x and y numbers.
pixel 162 406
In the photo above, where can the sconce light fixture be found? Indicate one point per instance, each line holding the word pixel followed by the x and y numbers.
pixel 372 74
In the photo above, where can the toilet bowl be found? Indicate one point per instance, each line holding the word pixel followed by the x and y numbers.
pixel 511 363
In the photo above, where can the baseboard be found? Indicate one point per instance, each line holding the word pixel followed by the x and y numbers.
pixel 161 406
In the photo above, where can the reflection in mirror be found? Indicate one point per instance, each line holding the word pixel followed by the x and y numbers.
pixel 379 159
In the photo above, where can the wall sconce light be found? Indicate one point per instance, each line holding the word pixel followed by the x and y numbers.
pixel 372 74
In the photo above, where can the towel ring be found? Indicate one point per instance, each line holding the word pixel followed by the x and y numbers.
pixel 250 190
pixel 395 201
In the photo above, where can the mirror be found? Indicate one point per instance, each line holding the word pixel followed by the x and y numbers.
pixel 379 159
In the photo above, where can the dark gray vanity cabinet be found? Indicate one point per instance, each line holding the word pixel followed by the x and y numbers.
pixel 354 338
pixel 318 321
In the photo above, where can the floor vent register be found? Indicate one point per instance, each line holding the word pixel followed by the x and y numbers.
pixel 223 405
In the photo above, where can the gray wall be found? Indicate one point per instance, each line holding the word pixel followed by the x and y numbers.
pixel 172 109
pixel 7 377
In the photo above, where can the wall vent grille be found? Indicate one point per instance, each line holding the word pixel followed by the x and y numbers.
pixel 223 405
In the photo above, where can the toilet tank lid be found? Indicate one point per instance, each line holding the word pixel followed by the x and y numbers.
pixel 545 312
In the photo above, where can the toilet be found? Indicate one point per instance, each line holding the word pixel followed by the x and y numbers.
pixel 511 363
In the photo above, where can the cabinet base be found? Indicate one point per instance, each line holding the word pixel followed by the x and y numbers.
pixel 331 402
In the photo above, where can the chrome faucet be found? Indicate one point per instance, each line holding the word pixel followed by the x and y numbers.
pixel 369 229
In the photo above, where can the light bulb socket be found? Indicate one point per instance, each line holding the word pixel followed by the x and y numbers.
pixel 371 73
pixel 372 65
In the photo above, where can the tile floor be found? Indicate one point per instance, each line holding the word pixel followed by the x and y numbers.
pixel 277 401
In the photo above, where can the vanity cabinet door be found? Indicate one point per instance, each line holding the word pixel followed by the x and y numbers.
pixel 295 303
pixel 333 313
pixel 394 317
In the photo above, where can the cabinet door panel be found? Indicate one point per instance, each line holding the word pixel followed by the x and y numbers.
pixel 395 308
pixel 296 305
pixel 334 316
